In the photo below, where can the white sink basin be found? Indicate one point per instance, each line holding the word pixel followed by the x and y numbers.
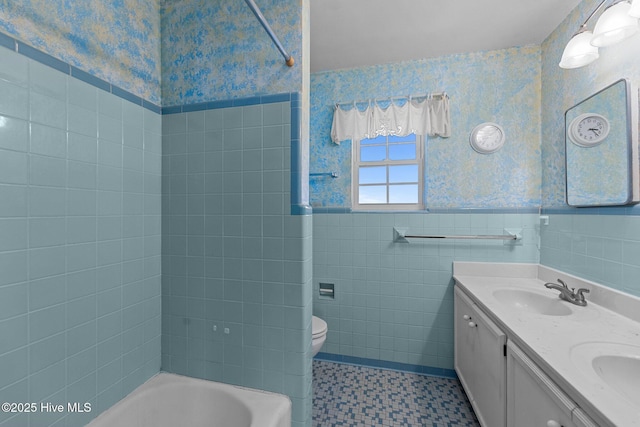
pixel 618 365
pixel 532 302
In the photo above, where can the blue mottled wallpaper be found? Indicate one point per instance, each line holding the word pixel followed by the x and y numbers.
pixel 501 86
pixel 217 50
pixel 562 89
pixel 117 41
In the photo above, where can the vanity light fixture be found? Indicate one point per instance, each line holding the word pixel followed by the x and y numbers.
pixel 616 23
pixel 579 51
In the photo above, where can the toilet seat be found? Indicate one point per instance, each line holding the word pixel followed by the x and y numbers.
pixel 318 327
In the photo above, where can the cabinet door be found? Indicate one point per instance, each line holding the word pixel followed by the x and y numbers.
pixel 464 340
pixel 480 361
pixel 533 400
pixel 490 365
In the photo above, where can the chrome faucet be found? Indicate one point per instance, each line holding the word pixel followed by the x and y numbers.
pixel 569 294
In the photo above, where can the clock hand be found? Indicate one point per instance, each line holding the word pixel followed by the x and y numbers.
pixel 595 131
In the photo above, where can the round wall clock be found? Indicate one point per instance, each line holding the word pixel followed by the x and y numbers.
pixel 589 129
pixel 487 138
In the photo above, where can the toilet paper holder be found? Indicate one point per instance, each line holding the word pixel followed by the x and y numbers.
pixel 327 290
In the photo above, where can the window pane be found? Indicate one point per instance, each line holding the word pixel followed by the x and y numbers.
pixel 409 138
pixel 373 175
pixel 402 152
pixel 376 140
pixel 374 153
pixel 408 173
pixel 372 194
pixel 403 193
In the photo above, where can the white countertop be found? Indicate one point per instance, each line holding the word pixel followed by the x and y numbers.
pixel 553 341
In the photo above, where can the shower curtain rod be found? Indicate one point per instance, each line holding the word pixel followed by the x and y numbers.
pixel 256 11
pixel 391 98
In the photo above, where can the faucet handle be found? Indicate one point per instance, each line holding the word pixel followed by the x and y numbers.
pixel 564 285
pixel 580 293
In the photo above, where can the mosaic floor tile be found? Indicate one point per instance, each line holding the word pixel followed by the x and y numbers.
pixel 348 395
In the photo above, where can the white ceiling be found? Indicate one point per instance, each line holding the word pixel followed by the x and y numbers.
pixel 355 33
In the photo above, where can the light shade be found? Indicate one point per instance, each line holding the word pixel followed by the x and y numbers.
pixel 614 25
pixel 579 51
pixel 635 9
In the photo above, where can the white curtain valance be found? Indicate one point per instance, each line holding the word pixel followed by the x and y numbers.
pixel 429 116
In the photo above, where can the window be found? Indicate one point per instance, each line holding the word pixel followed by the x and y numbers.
pixel 387 172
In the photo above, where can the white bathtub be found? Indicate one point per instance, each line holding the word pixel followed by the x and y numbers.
pixel 169 400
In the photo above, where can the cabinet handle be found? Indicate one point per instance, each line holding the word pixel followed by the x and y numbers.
pixel 472 325
pixel 466 317
pixel 553 423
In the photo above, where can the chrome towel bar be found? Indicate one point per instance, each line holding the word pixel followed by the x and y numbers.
pixel 399 235
pixel 331 174
pixel 480 236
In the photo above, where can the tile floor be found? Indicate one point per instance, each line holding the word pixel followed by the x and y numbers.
pixel 347 395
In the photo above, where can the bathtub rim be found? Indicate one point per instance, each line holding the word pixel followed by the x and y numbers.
pixel 161 378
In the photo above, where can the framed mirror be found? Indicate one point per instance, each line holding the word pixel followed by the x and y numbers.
pixel 601 148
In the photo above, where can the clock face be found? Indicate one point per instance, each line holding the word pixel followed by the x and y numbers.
pixel 487 138
pixel 588 130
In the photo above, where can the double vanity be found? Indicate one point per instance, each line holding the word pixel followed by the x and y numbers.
pixel 528 358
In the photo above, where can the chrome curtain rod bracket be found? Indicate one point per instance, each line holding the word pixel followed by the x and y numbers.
pixel 400 236
pixel 256 11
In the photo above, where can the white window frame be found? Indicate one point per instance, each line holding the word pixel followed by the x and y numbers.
pixel 355 168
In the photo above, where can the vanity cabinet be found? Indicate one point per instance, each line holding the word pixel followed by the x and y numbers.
pixel 505 387
pixel 480 361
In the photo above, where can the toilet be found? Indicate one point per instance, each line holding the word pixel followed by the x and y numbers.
pixel 319 331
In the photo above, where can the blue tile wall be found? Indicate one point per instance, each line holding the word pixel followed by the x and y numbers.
pixel 394 301
pixel 80 242
pixel 599 247
pixel 236 271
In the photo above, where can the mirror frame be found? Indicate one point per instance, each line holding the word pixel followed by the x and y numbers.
pixel 633 180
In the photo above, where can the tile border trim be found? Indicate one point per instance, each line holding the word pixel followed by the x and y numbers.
pixel 238 102
pixel 384 364
pixel 298 174
pixel 630 210
pixel 72 71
